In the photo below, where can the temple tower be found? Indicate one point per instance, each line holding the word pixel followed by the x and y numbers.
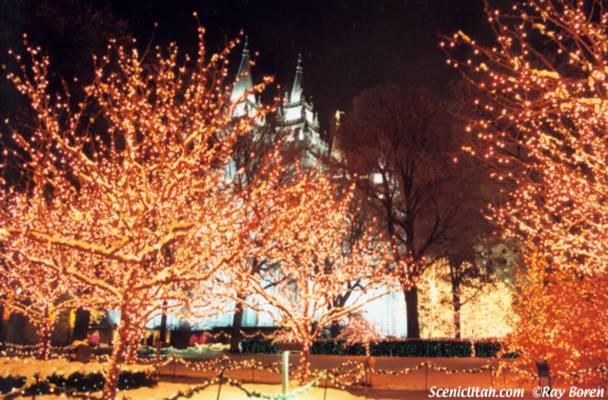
pixel 297 115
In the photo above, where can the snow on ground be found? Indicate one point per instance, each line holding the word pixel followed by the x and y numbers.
pixel 418 379
pixel 30 367
pixel 166 389
pixel 232 393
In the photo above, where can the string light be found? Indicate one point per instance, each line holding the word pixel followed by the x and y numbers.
pixel 563 322
pixel 126 199
pixel 38 293
pixel 540 124
pixel 314 263
pixel 59 375
pixel 486 306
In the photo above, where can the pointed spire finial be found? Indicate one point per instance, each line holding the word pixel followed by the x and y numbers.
pixel 243 76
pixel 246 44
pixel 296 89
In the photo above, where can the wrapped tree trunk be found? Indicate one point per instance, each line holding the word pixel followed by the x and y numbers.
pixel 110 389
pixel 304 371
pixel 135 340
pixel 120 350
pixel 44 330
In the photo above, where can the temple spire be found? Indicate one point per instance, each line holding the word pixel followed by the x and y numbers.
pixel 243 83
pixel 296 89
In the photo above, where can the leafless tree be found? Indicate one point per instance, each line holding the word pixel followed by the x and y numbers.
pixel 402 147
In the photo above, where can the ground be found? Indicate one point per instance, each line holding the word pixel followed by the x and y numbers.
pixel 412 385
pixel 167 389
pixel 416 377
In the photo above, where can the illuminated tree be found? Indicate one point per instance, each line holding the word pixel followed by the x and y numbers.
pixel 485 308
pixel 358 330
pixel 69 31
pixel 38 293
pixel 541 127
pixel 488 311
pixel 127 192
pixel 314 265
pixel 562 322
pixel 541 123
pixel 252 155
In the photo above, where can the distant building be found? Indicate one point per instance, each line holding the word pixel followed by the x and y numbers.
pixel 248 102
pixel 295 114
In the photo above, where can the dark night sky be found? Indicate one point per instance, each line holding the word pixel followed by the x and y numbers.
pixel 347 45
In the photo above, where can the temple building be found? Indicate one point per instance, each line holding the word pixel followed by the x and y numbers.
pixel 297 117
pixel 295 114
pixel 248 102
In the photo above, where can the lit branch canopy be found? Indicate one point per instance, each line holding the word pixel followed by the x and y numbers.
pixel 315 261
pixel 541 126
pixel 544 121
pixel 126 190
pixel 37 292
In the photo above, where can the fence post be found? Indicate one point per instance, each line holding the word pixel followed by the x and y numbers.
pixel 35 387
pixel 285 371
pixel 367 383
pixel 219 389
pixel 174 366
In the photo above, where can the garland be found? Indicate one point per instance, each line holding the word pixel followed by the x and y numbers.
pixel 258 395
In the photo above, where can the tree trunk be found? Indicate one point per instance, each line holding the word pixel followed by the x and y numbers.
pixel 120 350
pixel 3 323
pixel 162 337
pixel 237 323
pixel 411 304
pixel 304 366
pixel 44 332
pixel 334 329
pixel 133 345
pixel 81 324
pixel 456 304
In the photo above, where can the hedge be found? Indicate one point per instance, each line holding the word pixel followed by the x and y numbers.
pixel 402 348
pixel 77 382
